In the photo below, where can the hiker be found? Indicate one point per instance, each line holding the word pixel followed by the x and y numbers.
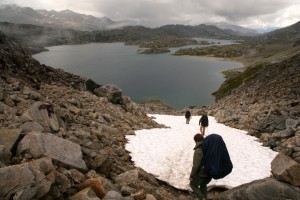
pixel 188 116
pixel 203 122
pixel 198 176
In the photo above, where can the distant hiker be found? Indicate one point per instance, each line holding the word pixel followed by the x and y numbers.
pixel 188 116
pixel 198 177
pixel 203 122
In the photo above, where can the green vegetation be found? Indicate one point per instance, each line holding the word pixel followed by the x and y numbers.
pixel 238 80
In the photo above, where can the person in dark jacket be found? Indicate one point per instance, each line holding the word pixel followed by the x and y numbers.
pixel 203 122
pixel 188 116
pixel 198 178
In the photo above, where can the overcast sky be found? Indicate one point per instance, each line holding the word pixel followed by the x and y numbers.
pixel 155 13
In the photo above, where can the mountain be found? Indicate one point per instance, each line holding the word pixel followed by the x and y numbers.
pixel 235 29
pixel 64 19
pixel 36 37
pixel 289 34
pixel 69 19
pixel 193 31
pixel 267 29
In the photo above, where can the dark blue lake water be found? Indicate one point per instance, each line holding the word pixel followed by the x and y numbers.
pixel 179 81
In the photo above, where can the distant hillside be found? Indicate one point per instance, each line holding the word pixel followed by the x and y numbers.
pixel 193 31
pixel 64 19
pixel 34 36
pixel 289 34
pixel 236 30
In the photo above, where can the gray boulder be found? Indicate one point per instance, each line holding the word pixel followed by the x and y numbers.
pixel 113 195
pixel 5 155
pixel 284 168
pixel 43 114
pixel 63 152
pixel 111 92
pixel 85 194
pixel 129 178
pixel 263 189
pixel 31 126
pixel 27 181
pixel 5 109
pixel 90 85
pixel 8 139
pixel 291 123
pixel 283 134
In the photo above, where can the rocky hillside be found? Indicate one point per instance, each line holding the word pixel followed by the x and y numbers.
pixel 62 137
pixel 267 104
pixel 264 99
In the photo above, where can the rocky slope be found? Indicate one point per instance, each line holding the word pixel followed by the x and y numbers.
pixel 62 137
pixel 265 100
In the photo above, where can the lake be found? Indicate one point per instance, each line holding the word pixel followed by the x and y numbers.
pixel 178 81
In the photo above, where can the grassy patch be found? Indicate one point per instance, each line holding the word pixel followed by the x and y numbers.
pixel 234 82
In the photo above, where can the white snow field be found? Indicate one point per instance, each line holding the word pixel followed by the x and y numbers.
pixel 167 153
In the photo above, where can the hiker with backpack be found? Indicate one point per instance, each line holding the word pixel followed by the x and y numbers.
pixel 188 116
pixel 198 176
pixel 203 123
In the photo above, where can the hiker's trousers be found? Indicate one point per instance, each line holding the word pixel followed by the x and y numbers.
pixel 199 186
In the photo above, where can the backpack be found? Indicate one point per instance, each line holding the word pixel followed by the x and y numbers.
pixel 217 163
pixel 204 120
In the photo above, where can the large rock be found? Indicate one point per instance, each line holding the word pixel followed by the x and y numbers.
pixel 291 123
pixel 63 152
pixel 283 134
pixel 136 178
pixel 43 114
pixel 5 155
pixel 85 194
pixel 9 138
pixel 129 178
pixel 267 188
pixel 111 92
pixel 113 195
pixel 31 126
pixel 30 180
pixel 91 85
pixel 5 109
pixel 286 169
pixel 96 185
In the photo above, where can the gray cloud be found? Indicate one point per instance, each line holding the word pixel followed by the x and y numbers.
pixel 254 13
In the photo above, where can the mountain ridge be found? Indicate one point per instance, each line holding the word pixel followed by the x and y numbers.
pixel 62 19
pixel 70 19
pixel 238 30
